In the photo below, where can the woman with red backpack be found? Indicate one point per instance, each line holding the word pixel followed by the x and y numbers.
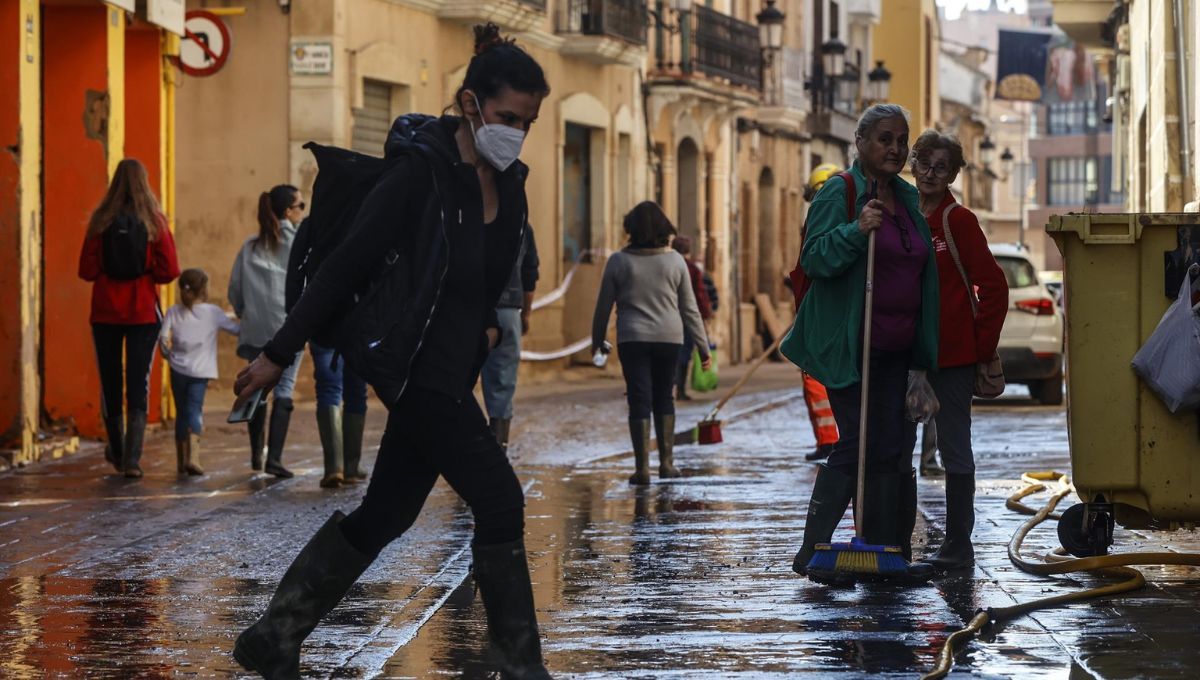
pixel 127 252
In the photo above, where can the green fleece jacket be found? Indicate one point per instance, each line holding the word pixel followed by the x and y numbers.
pixel 826 338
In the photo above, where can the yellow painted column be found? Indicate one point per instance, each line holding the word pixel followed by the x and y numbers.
pixel 30 241
pixel 116 87
pixel 170 80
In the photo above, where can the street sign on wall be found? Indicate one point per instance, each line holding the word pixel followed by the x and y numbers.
pixel 206 44
pixel 311 58
pixel 166 13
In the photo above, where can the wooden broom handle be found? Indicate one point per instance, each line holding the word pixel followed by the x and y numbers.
pixel 869 300
pixel 742 381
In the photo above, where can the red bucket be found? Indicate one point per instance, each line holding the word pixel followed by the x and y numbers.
pixel 710 432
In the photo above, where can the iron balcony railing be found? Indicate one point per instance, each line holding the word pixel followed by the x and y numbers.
pixel 622 19
pixel 725 47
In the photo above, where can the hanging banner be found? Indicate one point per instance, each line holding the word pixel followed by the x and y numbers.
pixel 1043 66
pixel 166 13
pixel 1021 65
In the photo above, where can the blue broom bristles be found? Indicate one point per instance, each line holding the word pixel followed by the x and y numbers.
pixel 859 558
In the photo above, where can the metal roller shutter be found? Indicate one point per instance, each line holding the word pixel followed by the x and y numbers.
pixel 372 121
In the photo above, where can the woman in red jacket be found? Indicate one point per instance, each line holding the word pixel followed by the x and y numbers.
pixel 974 301
pixel 127 251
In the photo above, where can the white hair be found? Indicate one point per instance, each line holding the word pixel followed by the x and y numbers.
pixel 877 114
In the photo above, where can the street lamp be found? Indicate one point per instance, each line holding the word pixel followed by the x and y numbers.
pixel 1006 161
pixel 770 27
pixel 879 83
pixel 833 57
pixel 847 90
pixel 986 148
pixel 770 41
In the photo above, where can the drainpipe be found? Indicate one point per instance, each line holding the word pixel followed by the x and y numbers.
pixel 1185 138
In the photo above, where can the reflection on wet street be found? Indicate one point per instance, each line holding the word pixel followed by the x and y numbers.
pixel 687 578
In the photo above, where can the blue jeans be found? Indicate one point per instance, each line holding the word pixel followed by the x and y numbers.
pixel 189 403
pixel 336 383
pixel 500 370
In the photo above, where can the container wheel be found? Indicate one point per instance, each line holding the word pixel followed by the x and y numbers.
pixel 1086 530
pixel 1049 391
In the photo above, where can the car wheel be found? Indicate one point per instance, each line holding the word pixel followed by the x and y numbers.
pixel 1048 391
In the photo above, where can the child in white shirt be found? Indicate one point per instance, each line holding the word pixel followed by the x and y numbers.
pixel 189 343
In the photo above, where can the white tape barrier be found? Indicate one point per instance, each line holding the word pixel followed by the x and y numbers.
pixel 554 296
pixel 558 293
pixel 563 353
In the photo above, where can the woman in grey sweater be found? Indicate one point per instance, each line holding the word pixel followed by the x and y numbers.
pixel 256 291
pixel 650 285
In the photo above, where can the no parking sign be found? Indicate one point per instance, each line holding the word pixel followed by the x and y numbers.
pixel 206 44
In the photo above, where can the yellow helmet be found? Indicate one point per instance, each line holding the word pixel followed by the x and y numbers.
pixel 818 177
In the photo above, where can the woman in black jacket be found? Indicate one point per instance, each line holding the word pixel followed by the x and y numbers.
pixel 458 176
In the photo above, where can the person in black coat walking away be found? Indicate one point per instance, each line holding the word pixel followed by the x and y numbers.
pixel 447 218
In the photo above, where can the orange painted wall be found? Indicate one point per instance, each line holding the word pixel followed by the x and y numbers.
pixel 74 180
pixel 143 136
pixel 10 223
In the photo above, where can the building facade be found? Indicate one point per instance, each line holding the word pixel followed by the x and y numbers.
pixel 245 126
pixel 87 84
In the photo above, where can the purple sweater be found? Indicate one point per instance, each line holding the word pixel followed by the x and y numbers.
pixel 897 282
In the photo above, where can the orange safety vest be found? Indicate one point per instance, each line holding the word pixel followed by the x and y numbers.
pixel 820 412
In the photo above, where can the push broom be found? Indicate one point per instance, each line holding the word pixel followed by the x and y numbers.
pixel 845 563
pixel 709 429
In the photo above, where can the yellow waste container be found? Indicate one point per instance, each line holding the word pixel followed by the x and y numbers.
pixel 1131 459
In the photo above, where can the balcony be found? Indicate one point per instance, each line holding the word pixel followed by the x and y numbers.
pixel 605 31
pixel 510 15
pixel 832 124
pixel 868 10
pixel 726 48
pixel 1084 20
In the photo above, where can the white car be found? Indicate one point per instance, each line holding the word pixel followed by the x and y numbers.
pixel 1031 342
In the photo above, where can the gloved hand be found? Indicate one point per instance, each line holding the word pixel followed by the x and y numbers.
pixel 921 403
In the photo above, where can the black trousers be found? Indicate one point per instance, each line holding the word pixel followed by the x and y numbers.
pixel 649 369
pixel 136 344
pixel 430 434
pixel 890 434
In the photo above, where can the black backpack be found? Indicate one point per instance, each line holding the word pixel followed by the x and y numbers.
pixel 124 248
pixel 344 179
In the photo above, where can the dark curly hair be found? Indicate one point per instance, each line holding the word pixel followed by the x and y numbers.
pixel 648 226
pixel 498 63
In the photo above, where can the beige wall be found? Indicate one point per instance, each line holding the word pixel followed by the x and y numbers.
pixel 1153 110
pixel 241 131
pixel 231 146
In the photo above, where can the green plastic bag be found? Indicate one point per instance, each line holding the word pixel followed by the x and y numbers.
pixel 702 380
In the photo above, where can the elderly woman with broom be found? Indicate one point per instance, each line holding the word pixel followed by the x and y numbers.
pixel 869 317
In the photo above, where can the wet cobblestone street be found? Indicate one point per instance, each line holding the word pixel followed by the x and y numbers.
pixel 687 578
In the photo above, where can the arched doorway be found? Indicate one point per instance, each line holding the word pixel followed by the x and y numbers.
pixel 688 177
pixel 768 234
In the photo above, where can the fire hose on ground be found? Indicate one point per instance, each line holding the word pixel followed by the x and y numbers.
pixel 1056 562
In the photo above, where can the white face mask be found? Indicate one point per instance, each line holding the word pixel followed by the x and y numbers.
pixel 500 145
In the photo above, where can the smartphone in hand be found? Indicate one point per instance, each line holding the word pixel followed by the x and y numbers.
pixel 246 412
